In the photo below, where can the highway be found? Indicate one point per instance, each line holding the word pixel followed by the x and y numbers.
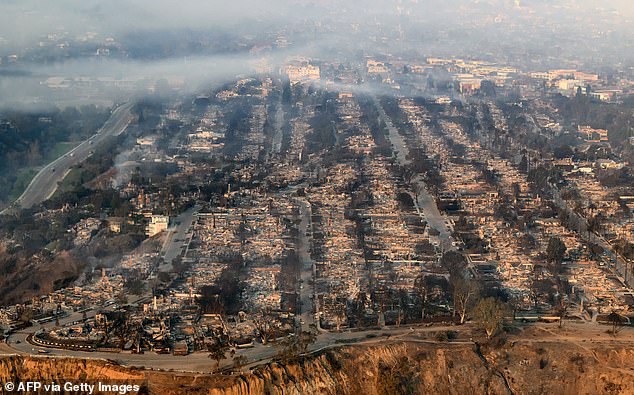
pixel 45 183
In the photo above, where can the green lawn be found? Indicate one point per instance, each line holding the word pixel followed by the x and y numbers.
pixel 58 150
pixel 24 177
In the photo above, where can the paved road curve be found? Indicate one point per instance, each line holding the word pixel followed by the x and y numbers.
pixel 45 183
pixel 199 362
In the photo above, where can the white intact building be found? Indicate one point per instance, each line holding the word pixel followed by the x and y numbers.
pixel 157 224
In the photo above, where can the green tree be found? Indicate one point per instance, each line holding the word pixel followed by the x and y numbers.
pixel 465 291
pixel 487 88
pixel 555 252
pixel 616 321
pixel 134 285
pixel 286 92
pixel 454 262
pixel 121 299
pixel 218 351
pixel 524 166
pixel 424 284
pixel 264 326
pixel 34 155
pixel 489 313
pixel 164 277
pixel 239 361
pixel 295 345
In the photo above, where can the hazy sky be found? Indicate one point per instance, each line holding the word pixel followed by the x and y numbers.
pixel 26 22
pixel 23 21
pixel 168 29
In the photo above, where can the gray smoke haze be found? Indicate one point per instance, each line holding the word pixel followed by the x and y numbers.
pixel 25 22
pixel 107 80
pixel 205 42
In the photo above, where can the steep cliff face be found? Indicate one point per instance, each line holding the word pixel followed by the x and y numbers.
pixel 414 368
pixel 397 368
pixel 19 368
